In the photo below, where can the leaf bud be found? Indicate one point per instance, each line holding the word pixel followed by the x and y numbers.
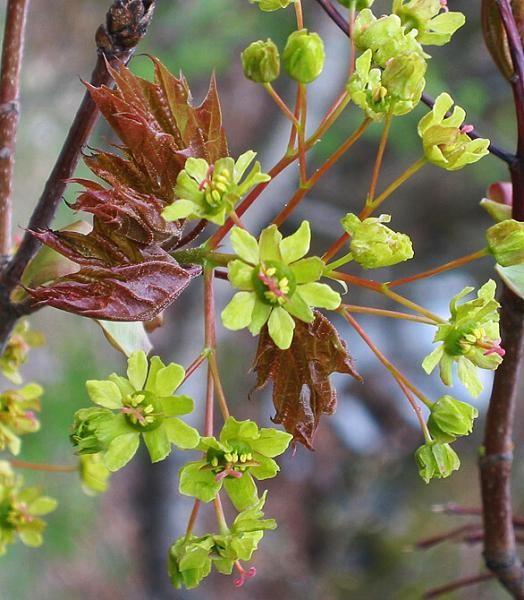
pixel 304 56
pixel 272 5
pixel 261 61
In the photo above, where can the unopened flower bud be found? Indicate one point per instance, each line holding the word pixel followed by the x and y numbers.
pixel 304 56
pixel 261 61
pixel 436 461
pixel 451 418
pixel 374 245
pixel 506 242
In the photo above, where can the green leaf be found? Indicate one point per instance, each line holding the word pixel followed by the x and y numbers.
pixel 242 491
pixel 121 450
pixel 104 393
pixel 197 482
pixel 237 314
pixel 126 337
pixel 158 444
pixel 244 245
pixel 272 442
pixel 137 369
pixel 432 359
pixel 180 209
pixel 295 246
pixel 181 434
pixel 281 326
pixel 30 538
pixel 467 373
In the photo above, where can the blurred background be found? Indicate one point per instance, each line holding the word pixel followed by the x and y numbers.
pixel 351 512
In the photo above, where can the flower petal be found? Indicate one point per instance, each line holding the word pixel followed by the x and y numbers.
pixel 269 243
pixel 121 450
pixel 238 313
pixel 242 163
pixel 181 434
pixel 180 209
pixel 319 294
pixel 281 326
pixel 245 245
pixel 137 369
pixel 296 246
pixel 197 168
pixel 240 274
pixel 104 393
pixel 168 379
pixel 299 308
pixel 158 444
pixel 242 491
pixel 308 269
pixel 259 317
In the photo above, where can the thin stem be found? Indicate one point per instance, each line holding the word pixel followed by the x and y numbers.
pixel 303 190
pixel 369 284
pixel 302 133
pixel 210 343
pixel 195 365
pixel 22 464
pixel 281 104
pixel 12 52
pixel 193 233
pixel 378 161
pixel 192 518
pixel 399 378
pixel 409 304
pixel 344 260
pixel 391 314
pixel 409 172
pixel 458 585
pixel 454 264
pixel 222 402
pixel 221 518
pixel 335 247
pixel 334 112
pixel 299 14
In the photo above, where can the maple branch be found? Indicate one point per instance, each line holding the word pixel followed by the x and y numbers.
pixel 126 24
pixel 12 52
pixel 458 584
pixel 343 25
pixel 500 553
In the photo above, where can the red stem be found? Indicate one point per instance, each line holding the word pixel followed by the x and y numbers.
pixel 12 52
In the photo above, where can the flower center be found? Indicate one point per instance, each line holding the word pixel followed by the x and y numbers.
pixel 139 411
pixel 274 283
pixel 230 464
pixel 215 186
pixel 463 342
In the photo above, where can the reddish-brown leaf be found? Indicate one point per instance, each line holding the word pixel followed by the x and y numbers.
pixel 124 293
pixel 302 390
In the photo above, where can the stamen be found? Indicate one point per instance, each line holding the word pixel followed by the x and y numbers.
pixel 207 180
pixel 467 128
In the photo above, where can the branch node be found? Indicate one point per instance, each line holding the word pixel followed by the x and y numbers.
pixel 492 459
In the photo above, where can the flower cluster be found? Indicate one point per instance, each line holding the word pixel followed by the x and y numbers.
pixel 241 452
pixel 17 415
pixel 211 192
pixel 139 406
pixel 20 510
pixel 470 338
pixel 277 283
pixel 191 558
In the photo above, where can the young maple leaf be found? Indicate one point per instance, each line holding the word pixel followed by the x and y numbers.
pixel 316 351
pixel 125 273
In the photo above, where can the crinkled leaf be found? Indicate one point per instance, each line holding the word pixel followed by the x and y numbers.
pixel 302 390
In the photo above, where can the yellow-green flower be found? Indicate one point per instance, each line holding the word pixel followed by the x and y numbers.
pixel 277 283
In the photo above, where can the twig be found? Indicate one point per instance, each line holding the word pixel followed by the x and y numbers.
pixel 457 585
pixel 496 464
pixel 342 24
pixel 12 52
pixel 193 234
pixel 126 24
